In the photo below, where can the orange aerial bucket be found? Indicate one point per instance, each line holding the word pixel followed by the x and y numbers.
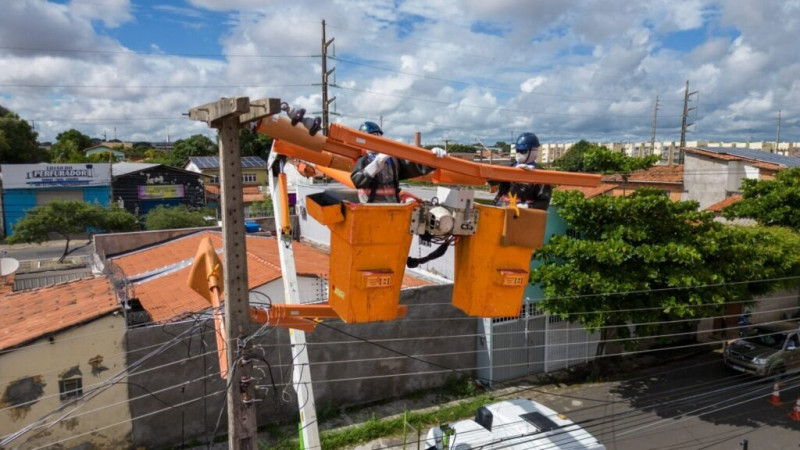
pixel 369 248
pixel 493 265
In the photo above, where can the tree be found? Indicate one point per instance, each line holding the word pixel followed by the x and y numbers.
pixel 643 260
pixel 70 146
pixel 591 158
pixel 68 219
pixel 263 208
pixel 166 218
pixel 197 145
pixel 254 144
pixel 770 202
pixel 17 140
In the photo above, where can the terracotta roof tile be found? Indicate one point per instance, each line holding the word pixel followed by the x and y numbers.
pixel 167 297
pixel 721 156
pixel 28 315
pixel 589 192
pixel 655 174
pixel 719 206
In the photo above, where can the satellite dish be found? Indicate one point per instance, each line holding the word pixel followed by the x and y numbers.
pixel 8 266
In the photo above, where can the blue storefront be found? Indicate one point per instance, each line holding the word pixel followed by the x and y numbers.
pixel 26 186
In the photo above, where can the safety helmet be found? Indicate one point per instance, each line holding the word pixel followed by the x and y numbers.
pixel 525 142
pixel 371 128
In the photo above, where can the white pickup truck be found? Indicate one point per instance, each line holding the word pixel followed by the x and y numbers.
pixel 512 424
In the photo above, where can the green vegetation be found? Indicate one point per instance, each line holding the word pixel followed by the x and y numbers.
pixel 167 218
pixel 70 146
pixel 68 220
pixel 262 208
pixel 590 158
pixel 646 260
pixel 376 428
pixel 770 202
pixel 254 144
pixel 197 145
pixel 17 140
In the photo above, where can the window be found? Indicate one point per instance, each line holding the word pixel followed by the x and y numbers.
pixel 70 388
pixel 249 177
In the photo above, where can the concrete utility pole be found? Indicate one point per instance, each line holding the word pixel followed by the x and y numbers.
pixel 778 136
pixel 684 124
pixel 325 73
pixel 224 115
pixel 653 132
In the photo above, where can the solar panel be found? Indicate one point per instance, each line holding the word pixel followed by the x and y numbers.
pixel 787 161
pixel 253 161
pixel 212 162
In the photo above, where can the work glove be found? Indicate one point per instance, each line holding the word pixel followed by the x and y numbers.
pixel 439 152
pixel 526 167
pixel 376 165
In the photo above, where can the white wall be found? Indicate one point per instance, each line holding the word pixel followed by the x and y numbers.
pixel 311 289
pixel 704 179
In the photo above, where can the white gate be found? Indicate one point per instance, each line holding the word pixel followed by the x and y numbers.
pixel 533 342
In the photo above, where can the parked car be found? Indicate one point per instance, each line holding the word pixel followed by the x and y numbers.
pixel 765 350
pixel 512 424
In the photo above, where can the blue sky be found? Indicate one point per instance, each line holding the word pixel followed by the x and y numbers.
pixel 451 69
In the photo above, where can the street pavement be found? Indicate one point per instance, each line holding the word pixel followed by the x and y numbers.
pixel 689 404
pixel 46 250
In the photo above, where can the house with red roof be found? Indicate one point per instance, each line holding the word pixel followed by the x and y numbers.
pixel 59 345
pixel 712 175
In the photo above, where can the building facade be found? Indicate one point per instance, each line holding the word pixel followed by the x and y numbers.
pixel 26 186
pixel 140 187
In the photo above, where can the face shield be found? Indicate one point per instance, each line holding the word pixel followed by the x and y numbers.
pixel 527 157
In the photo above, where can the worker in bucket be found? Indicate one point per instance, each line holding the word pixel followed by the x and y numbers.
pixel 377 176
pixel 527 195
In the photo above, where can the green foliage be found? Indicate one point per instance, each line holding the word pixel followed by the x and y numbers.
pixel 644 259
pixel 376 428
pixel 17 140
pixel 262 208
pixel 67 220
pixel 119 219
pixel 167 218
pixel 770 202
pixel 138 151
pixel 197 145
pixel 591 158
pixel 254 144
pixel 70 146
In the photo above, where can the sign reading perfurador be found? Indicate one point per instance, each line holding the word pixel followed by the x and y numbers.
pixel 25 176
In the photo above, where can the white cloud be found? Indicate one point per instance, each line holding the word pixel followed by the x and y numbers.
pixel 456 69
pixel 112 13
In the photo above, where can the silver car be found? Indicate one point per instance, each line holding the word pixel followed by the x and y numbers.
pixel 766 350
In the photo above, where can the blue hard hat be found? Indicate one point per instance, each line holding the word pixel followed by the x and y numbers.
pixel 371 128
pixel 525 142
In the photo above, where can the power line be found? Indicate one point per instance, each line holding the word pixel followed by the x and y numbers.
pixel 150 54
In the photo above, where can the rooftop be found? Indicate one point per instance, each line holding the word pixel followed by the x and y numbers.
pixel 212 162
pixel 719 206
pixel 728 153
pixel 159 273
pixel 28 315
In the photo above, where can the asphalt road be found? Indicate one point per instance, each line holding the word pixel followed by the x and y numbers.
pixel 692 404
pixel 46 250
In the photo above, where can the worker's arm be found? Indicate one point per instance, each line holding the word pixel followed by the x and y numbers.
pixel 365 170
pixel 408 169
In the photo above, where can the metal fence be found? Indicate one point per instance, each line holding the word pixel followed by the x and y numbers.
pixel 530 343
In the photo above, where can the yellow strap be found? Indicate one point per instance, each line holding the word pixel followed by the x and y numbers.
pixel 512 203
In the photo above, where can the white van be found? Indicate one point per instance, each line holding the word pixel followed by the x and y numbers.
pixel 512 424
